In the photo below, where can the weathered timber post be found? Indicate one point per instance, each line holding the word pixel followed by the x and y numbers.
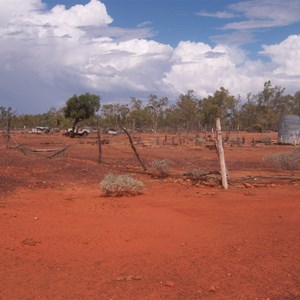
pixel 133 148
pixel 157 141
pixel 99 142
pixel 174 140
pixel 220 150
pixel 9 118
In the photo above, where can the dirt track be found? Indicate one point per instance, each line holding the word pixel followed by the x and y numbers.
pixel 61 239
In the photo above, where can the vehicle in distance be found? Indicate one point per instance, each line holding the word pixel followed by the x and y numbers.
pixel 40 129
pixel 112 131
pixel 78 132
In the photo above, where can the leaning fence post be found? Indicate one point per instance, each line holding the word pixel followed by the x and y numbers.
pixel 220 150
pixel 99 141
pixel 133 147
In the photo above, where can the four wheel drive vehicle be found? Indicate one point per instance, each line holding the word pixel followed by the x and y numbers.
pixel 40 129
pixel 78 132
pixel 112 132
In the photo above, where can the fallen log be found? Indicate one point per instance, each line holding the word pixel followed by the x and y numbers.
pixel 45 150
pixel 52 143
pixel 191 175
pixel 59 151
pixel 275 177
pixel 13 147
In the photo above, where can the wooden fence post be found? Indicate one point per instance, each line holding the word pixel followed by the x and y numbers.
pixel 220 150
pixel 157 141
pixel 133 147
pixel 99 141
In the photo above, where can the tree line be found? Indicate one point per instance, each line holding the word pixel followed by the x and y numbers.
pixel 260 112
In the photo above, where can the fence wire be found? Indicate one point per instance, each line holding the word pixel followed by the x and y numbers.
pixel 185 153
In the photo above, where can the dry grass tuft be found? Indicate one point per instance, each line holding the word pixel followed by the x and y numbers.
pixel 121 185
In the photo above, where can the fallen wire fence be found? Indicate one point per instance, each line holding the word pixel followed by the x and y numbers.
pixel 185 153
pixel 116 149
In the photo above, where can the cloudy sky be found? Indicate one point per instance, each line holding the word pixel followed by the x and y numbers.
pixel 53 49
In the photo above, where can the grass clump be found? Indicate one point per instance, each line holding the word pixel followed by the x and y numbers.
pixel 267 140
pixel 234 139
pixel 161 166
pixel 199 173
pixel 121 185
pixel 199 141
pixel 289 161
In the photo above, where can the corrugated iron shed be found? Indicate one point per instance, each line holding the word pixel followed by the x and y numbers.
pixel 289 130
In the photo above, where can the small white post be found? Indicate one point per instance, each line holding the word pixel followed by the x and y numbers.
pixel 220 150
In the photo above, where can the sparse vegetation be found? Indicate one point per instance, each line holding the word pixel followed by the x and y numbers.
pixel 199 172
pixel 235 140
pixel 199 141
pixel 161 166
pixel 285 160
pixel 121 185
pixel 267 140
pixel 260 113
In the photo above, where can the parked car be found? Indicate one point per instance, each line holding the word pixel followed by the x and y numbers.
pixel 40 129
pixel 78 132
pixel 112 131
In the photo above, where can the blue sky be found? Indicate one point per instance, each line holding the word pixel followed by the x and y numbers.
pixel 52 49
pixel 172 21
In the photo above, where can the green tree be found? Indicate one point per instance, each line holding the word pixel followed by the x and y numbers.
pixel 81 107
pixel 187 110
pixel 109 116
pixel 296 104
pixel 172 117
pixel 270 105
pixel 140 118
pixel 156 108
pixel 55 118
pixel 221 105
pixel 123 114
pixel 6 117
pixel 248 115
pixel 114 115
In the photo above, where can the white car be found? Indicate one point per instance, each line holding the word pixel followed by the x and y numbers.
pixel 78 132
pixel 40 129
pixel 112 132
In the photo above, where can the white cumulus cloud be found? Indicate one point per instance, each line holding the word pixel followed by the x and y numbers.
pixel 285 55
pixel 203 69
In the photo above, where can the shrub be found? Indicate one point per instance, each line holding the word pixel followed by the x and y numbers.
pixel 255 128
pixel 121 185
pixel 161 165
pixel 234 140
pixel 286 160
pixel 199 141
pixel 267 140
pixel 199 172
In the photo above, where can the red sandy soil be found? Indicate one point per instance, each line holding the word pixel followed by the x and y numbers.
pixel 62 239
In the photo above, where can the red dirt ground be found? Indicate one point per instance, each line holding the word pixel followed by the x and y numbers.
pixel 61 239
